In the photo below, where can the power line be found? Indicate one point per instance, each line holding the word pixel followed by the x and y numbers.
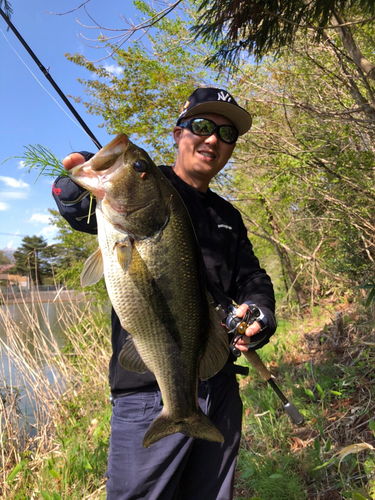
pixel 13 234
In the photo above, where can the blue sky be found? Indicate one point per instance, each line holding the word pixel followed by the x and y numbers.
pixel 28 113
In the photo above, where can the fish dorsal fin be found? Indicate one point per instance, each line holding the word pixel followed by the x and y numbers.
pixel 130 359
pixel 124 250
pixel 217 349
pixel 92 269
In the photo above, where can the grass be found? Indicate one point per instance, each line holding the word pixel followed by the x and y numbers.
pixel 327 370
pixel 323 364
pixel 59 450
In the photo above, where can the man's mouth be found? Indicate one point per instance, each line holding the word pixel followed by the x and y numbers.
pixel 207 154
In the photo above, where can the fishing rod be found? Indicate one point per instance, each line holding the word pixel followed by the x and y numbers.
pixel 50 79
pixel 238 326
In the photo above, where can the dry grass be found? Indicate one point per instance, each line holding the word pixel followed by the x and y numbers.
pixel 38 377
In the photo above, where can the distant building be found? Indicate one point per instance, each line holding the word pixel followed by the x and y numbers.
pixel 15 280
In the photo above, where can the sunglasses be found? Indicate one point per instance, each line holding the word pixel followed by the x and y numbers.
pixel 205 127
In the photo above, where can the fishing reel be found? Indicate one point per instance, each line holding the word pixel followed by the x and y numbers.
pixel 237 326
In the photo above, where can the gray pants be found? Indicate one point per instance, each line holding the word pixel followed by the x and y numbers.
pixel 176 467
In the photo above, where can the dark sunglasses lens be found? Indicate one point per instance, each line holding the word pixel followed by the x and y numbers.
pixel 201 126
pixel 228 134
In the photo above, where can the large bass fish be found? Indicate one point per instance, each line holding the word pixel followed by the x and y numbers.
pixel 153 271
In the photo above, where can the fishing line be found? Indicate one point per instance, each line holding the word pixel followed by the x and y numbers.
pixel 40 83
pixel 49 78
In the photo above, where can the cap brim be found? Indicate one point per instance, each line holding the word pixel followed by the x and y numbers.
pixel 238 116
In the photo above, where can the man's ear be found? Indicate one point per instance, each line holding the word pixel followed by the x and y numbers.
pixel 177 131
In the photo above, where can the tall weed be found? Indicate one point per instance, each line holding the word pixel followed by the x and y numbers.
pixel 54 401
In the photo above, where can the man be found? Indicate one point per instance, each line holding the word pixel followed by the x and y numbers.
pixel 179 467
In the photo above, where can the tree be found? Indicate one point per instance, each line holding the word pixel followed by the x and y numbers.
pixel 33 259
pixel 307 168
pixel 303 177
pixel 156 77
pixel 260 27
pixel 72 249
pixel 4 258
pixel 7 7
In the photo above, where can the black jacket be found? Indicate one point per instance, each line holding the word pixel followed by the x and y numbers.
pixel 227 254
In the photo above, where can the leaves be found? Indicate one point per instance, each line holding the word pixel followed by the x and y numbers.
pixel 15 471
pixel 263 26
pixel 158 75
pixel 37 157
pixel 353 448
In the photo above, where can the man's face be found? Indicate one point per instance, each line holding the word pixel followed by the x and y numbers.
pixel 199 158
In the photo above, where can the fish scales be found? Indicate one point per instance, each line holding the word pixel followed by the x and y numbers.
pixel 154 276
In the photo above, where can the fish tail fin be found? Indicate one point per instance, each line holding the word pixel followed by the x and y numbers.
pixel 197 425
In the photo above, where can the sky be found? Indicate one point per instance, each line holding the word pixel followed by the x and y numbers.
pixel 29 113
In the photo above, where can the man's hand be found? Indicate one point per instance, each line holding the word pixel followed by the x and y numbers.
pixel 73 160
pixel 251 330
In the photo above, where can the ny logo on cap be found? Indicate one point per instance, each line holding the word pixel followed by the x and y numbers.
pixel 221 96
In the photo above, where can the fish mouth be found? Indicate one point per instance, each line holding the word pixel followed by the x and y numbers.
pixel 109 154
pixel 104 159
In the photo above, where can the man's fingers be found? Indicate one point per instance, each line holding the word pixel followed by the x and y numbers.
pixel 73 160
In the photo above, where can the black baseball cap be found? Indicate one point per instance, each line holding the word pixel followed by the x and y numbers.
pixel 213 100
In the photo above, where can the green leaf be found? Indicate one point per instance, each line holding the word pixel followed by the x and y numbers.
pixel 310 394
pixel 336 393
pixel 42 159
pixel 88 465
pixel 325 464
pixel 372 424
pixel 16 470
pixel 370 297
pixel 54 473
pixel 317 444
pixel 320 390
pixel 358 496
pixel 328 445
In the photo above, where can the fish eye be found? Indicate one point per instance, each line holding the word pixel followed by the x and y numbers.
pixel 140 166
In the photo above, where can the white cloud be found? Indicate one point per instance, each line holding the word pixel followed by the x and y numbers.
pixel 40 218
pixel 4 206
pixel 112 68
pixel 48 232
pixel 13 195
pixel 14 183
pixel 21 165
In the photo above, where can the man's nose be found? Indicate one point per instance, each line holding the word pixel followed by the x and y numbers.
pixel 212 139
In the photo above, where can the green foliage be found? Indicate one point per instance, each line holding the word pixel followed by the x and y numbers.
pixel 34 258
pixel 4 258
pixel 271 478
pixel 264 26
pixel 370 287
pixel 37 157
pixel 83 443
pixel 324 456
pixel 304 178
pixel 159 73
pixel 73 249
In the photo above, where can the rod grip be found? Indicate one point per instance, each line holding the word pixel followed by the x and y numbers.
pixel 253 357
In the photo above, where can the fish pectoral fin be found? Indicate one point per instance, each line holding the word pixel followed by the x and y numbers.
pixel 217 349
pixel 93 269
pixel 124 251
pixel 130 359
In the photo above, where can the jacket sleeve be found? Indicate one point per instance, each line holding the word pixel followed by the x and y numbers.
pixel 255 286
pixel 73 203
